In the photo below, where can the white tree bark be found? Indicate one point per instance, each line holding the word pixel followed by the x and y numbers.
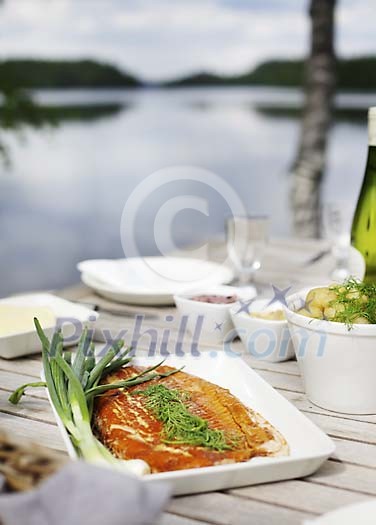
pixel 309 166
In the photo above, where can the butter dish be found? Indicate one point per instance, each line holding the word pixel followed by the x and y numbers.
pixel 18 336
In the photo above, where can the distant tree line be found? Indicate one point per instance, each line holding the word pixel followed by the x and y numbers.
pixel 31 74
pixel 353 73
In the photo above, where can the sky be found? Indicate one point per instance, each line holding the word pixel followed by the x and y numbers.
pixel 163 39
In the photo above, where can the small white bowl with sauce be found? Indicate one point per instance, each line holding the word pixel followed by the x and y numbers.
pixel 263 330
pixel 206 313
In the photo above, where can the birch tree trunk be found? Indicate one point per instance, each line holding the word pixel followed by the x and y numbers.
pixel 308 168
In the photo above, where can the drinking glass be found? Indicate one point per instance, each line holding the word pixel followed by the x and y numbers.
pixel 336 220
pixel 246 240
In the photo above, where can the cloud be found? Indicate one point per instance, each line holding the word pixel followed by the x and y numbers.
pixel 166 38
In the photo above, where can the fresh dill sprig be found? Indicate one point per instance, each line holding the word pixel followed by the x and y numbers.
pixel 355 302
pixel 180 426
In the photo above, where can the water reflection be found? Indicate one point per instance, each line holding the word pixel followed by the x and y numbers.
pixel 354 115
pixel 63 198
pixel 56 115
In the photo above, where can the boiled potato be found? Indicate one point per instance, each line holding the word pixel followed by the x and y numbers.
pixel 317 314
pixel 320 297
pixel 317 300
pixel 361 320
pixel 331 311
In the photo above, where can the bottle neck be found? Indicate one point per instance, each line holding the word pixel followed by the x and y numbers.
pixel 371 161
pixel 372 130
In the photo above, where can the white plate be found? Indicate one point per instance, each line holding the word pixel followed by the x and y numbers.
pixel 150 280
pixel 75 317
pixel 309 446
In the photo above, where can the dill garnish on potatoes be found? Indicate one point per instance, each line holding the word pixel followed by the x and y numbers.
pixel 352 302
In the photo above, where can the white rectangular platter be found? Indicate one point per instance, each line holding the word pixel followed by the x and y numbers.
pixel 309 446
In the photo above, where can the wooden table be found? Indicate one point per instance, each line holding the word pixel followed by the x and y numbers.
pixel 348 477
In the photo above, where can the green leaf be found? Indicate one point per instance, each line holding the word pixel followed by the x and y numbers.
pixel 15 397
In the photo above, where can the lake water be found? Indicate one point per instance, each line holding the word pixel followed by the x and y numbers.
pixel 62 198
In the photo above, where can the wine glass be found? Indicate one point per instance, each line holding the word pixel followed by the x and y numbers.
pixel 336 220
pixel 246 239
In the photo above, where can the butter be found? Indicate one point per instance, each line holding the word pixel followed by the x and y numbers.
pixel 16 319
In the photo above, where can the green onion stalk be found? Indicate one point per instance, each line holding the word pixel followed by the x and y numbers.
pixel 73 386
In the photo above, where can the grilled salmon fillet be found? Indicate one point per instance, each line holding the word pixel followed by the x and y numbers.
pixel 129 429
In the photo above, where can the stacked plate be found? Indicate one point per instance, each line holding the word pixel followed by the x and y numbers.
pixel 151 280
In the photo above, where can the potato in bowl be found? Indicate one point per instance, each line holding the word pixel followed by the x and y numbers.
pixel 352 302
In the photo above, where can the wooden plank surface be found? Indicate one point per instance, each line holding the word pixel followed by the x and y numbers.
pixel 349 477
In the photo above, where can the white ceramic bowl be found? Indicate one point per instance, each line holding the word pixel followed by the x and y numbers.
pixel 338 364
pixel 265 339
pixel 207 322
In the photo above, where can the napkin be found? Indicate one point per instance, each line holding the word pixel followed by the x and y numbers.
pixel 83 494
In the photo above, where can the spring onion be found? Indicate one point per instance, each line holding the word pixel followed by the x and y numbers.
pixel 72 386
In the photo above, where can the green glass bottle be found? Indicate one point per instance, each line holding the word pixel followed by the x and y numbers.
pixel 363 232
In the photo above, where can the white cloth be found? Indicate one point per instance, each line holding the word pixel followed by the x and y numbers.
pixel 82 494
